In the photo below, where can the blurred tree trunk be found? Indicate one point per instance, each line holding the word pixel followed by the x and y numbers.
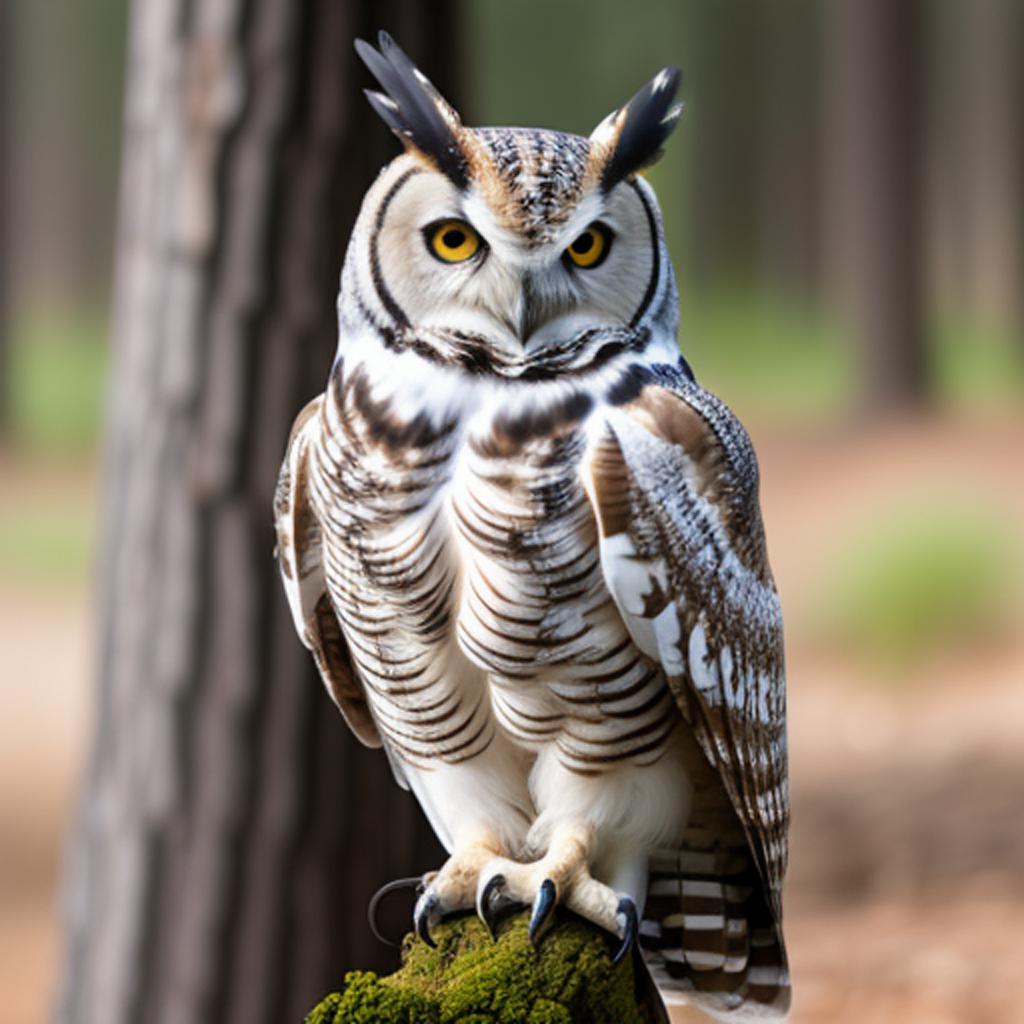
pixel 873 53
pixel 722 217
pixel 946 160
pixel 788 139
pixel 6 139
pixel 231 830
pixel 993 141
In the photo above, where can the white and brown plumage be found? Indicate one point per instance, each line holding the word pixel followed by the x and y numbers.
pixel 526 551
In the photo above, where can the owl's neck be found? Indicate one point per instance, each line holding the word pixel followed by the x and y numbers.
pixel 416 381
pixel 477 357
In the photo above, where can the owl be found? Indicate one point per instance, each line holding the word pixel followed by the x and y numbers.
pixel 525 549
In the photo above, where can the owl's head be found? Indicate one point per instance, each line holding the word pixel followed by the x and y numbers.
pixel 510 250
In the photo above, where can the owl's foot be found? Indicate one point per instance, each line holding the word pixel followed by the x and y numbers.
pixel 454 887
pixel 561 876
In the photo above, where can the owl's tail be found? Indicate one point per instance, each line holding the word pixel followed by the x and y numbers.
pixel 710 939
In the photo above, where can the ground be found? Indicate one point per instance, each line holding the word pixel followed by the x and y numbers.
pixel 907 882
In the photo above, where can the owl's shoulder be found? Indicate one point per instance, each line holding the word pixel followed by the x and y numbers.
pixel 681 447
pixel 671 407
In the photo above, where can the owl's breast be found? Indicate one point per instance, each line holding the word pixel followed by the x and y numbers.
pixel 461 554
pixel 535 612
pixel 527 536
pixel 380 479
pixel 380 484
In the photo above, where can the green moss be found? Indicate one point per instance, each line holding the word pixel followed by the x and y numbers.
pixel 544 1011
pixel 326 1011
pixel 472 979
pixel 365 999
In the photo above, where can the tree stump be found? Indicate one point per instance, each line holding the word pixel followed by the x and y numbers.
pixel 470 978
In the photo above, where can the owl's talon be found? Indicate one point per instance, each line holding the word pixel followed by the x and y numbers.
pixel 628 921
pixel 484 906
pixel 454 887
pixel 492 903
pixel 543 908
pixel 425 916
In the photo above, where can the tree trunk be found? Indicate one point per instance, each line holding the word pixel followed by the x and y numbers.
pixel 789 147
pixel 993 140
pixel 722 213
pixel 6 138
pixel 231 830
pixel 873 52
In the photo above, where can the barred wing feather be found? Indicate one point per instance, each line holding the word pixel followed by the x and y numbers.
pixel 674 483
pixel 299 555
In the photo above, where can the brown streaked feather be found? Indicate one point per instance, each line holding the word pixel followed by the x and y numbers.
pixel 299 554
pixel 674 485
pixel 532 178
pixel 698 488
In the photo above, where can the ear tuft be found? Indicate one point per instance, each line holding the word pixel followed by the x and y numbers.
pixel 413 109
pixel 635 134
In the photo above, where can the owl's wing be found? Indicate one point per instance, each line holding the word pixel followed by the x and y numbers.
pixel 299 555
pixel 674 483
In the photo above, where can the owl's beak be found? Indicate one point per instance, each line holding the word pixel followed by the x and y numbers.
pixel 534 309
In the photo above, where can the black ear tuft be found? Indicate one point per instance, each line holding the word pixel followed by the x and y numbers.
pixel 412 108
pixel 638 130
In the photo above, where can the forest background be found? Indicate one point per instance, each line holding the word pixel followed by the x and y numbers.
pixel 844 201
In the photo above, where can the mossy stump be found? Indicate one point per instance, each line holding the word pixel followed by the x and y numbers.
pixel 473 979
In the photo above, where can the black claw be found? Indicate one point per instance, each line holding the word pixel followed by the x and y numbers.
pixel 384 890
pixel 627 917
pixel 425 906
pixel 543 908
pixel 489 903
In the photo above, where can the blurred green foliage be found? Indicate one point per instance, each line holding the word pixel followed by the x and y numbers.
pixel 768 357
pixel 975 368
pixel 922 581
pixel 56 378
pixel 46 542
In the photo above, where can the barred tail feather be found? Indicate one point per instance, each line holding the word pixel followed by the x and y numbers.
pixel 709 938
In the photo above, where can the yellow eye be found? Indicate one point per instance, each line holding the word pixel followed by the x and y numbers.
pixel 591 247
pixel 453 241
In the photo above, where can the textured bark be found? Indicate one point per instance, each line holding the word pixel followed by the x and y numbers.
pixel 567 979
pixel 873 52
pixel 230 830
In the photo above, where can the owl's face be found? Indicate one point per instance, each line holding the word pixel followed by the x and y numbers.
pixel 505 248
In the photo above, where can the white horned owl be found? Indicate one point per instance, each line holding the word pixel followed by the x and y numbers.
pixel 526 551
